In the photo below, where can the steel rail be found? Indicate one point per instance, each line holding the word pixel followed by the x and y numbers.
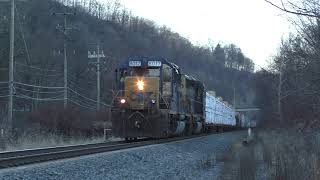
pixel 24 157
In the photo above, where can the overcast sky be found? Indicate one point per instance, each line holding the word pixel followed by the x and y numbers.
pixel 253 25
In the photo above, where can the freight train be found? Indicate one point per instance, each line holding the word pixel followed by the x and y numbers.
pixel 155 99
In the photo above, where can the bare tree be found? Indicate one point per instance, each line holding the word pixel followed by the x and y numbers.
pixel 307 8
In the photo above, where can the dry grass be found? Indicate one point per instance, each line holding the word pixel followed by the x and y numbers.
pixel 34 140
pixel 230 162
pixel 275 155
pixel 291 155
pixel 247 165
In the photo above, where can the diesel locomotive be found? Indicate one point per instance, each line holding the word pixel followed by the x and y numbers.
pixel 153 98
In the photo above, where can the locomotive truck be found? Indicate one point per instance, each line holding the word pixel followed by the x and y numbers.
pixel 155 99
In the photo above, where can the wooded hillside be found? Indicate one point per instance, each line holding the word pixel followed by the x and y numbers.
pixel 39 53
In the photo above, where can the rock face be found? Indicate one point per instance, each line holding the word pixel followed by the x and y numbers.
pixel 199 158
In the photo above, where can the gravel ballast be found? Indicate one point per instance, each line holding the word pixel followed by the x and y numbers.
pixel 189 159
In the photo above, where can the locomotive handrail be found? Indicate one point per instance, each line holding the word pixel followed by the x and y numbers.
pixel 164 100
pixel 196 101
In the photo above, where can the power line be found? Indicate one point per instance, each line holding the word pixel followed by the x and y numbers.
pixel 35 73
pixel 44 87
pixel 40 92
pixel 34 67
pixel 81 95
pixel 82 101
pixel 79 89
pixel 73 78
pixel 87 97
pixel 55 98
pixel 24 40
pixel 87 100
pixel 76 86
pixel 83 106
pixel 38 99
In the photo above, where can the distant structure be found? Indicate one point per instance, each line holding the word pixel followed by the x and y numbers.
pixel 245 116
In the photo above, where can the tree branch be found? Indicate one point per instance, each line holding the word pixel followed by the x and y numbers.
pixel 293 12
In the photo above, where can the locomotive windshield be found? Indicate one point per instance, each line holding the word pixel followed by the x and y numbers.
pixel 151 72
pixel 140 72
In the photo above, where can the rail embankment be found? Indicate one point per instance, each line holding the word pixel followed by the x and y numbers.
pixel 197 158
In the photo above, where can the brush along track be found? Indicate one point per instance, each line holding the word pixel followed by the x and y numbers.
pixel 19 158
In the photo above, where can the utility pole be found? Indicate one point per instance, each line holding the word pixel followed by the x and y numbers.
pixel 98 77
pixel 10 104
pixel 97 55
pixel 64 29
pixel 65 70
pixel 234 96
pixel 11 59
pixel 279 92
pixel 234 93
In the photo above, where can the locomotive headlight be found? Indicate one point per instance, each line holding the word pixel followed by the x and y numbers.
pixel 140 85
pixel 153 101
pixel 122 101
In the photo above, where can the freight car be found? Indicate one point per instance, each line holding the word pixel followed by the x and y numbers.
pixel 155 99
pixel 219 115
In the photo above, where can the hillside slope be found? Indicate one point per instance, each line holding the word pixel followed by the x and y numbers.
pixel 39 43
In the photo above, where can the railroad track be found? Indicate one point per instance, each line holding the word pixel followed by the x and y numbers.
pixel 24 157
